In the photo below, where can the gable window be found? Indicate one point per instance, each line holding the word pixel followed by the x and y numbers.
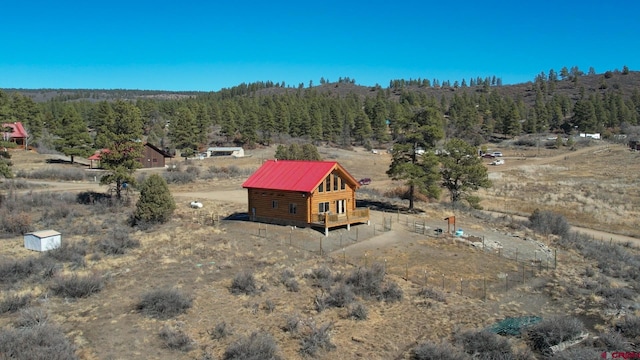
pixel 335 182
pixel 323 207
pixel 327 182
pixel 274 204
pixel 293 209
pixel 321 187
pixel 342 184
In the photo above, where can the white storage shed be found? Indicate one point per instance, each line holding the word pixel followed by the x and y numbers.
pixel 42 240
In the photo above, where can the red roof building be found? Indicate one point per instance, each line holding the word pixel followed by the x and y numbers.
pixel 17 134
pixel 304 193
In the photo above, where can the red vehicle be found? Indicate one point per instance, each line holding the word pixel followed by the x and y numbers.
pixel 365 181
pixel 488 156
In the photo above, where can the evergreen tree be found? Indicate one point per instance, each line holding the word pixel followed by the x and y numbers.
pixel 74 140
pixel 125 147
pixel 462 170
pixel 413 159
pixel 155 205
pixel 5 164
pixel 183 129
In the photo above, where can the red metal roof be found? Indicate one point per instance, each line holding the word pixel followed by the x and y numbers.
pixel 292 175
pixel 17 131
pixel 98 154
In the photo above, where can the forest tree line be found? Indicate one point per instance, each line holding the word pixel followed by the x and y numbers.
pixel 245 116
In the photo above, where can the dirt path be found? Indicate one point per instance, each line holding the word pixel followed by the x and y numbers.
pixel 515 162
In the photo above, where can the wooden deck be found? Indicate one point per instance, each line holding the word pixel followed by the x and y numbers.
pixel 327 221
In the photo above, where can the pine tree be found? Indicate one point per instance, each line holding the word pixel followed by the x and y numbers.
pixel 155 205
pixel 5 164
pixel 124 147
pixel 462 170
pixel 413 159
pixel 74 139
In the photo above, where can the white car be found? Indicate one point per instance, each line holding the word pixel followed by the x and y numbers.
pixel 497 162
pixel 496 154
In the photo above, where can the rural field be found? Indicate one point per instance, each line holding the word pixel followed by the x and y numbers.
pixel 378 291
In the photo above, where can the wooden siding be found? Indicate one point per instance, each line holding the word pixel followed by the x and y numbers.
pixel 262 201
pixel 152 158
pixel 261 204
pixel 333 196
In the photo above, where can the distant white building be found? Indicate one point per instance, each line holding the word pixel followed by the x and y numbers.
pixel 595 136
pixel 42 240
pixel 225 151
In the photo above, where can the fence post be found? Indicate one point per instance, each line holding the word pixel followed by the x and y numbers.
pixel 344 256
pixel 320 246
pixel 555 258
pixel 424 227
pixel 291 237
pixel 425 278
pixel 340 240
pixel 406 271
pixel 483 243
pixel 484 288
pixel 460 286
pixel 516 254
pixel 506 282
pixel 356 234
pixel 442 282
pixel 523 272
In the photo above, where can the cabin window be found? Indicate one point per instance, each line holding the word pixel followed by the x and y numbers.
pixel 293 209
pixel 342 184
pixel 321 187
pixel 327 183
pixel 274 204
pixel 323 207
pixel 335 182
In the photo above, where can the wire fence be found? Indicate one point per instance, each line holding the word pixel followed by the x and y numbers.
pixel 518 266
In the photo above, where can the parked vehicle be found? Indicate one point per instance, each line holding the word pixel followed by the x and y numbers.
pixel 364 181
pixel 497 162
pixel 497 154
pixel 488 156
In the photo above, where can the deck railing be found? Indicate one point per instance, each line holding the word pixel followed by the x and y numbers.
pixel 350 217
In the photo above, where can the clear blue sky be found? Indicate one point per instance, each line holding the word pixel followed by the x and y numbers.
pixel 209 45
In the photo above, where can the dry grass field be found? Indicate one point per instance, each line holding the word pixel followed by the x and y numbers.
pixel 293 287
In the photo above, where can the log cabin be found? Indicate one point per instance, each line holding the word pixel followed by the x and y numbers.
pixel 304 194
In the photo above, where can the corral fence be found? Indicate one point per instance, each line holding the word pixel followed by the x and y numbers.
pixel 521 266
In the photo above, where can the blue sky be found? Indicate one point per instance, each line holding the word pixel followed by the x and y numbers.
pixel 206 45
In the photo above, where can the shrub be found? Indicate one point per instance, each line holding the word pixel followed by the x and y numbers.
pixel 176 339
pixel 433 294
pixel 13 303
pixel 367 282
pixel 52 173
pixel 12 271
pixel 553 331
pixel 164 303
pixel 292 285
pixel 177 177
pixel 221 330
pixel 577 353
pixel 31 317
pixel 257 346
pixel 244 283
pixel 629 327
pixel 316 339
pixel 18 223
pixel 484 345
pixel 38 342
pixel 391 292
pixel 76 286
pixel 292 324
pixel 321 277
pixel 69 252
pixel 155 205
pixel 431 351
pixel 288 279
pixel 118 242
pixel 547 222
pixel 358 311
pixel 340 296
pixel 611 341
